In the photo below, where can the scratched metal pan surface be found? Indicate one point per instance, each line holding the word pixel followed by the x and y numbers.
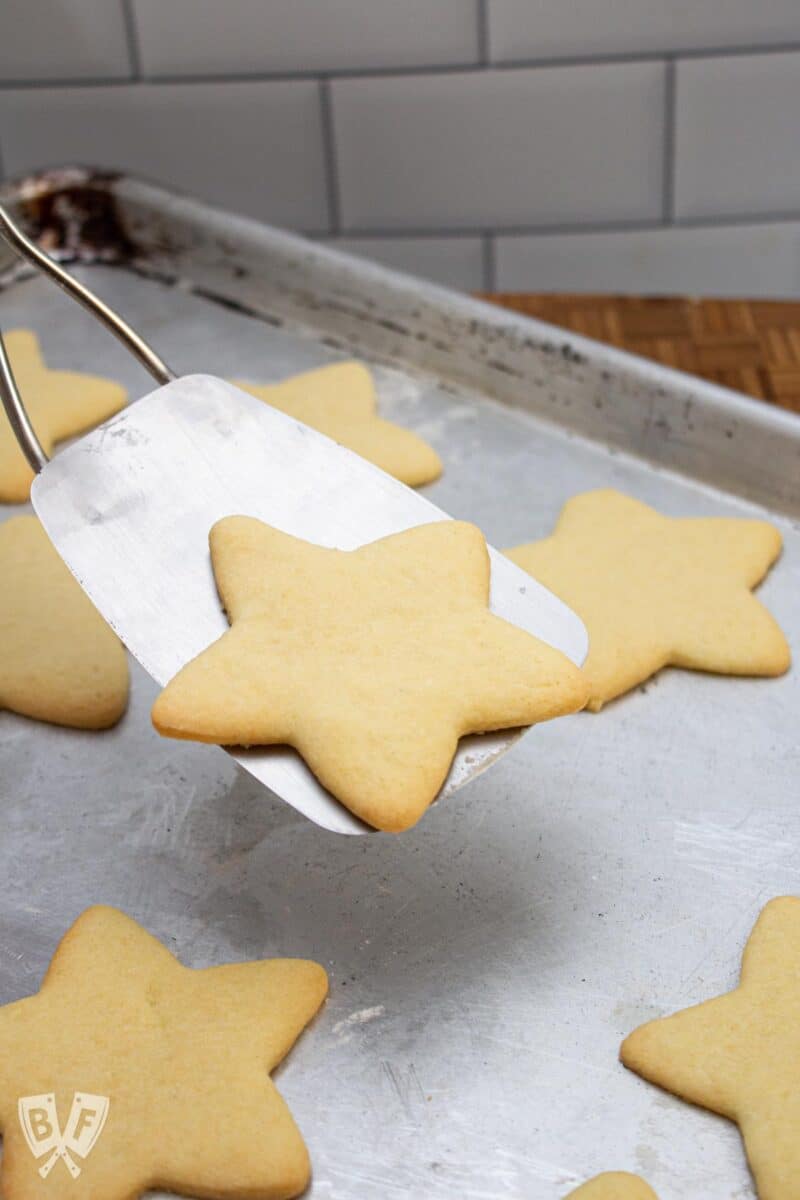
pixel 486 965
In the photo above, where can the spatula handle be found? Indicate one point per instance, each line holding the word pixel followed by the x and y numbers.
pixel 9 393
pixel 17 414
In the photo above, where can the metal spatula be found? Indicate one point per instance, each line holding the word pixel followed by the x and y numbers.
pixel 129 507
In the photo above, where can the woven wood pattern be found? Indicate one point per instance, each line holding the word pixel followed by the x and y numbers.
pixel 750 345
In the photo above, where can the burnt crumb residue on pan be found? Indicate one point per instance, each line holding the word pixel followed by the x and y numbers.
pixel 72 214
pixel 237 306
pixel 497 364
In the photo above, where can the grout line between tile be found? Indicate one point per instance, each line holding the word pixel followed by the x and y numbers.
pixel 488 262
pixel 669 164
pixel 724 221
pixel 579 60
pixel 732 220
pixel 482 18
pixel 39 85
pixel 422 231
pixel 132 37
pixel 330 161
pixel 472 231
pixel 625 56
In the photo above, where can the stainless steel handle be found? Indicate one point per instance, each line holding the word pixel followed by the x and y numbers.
pixel 17 415
pixel 9 393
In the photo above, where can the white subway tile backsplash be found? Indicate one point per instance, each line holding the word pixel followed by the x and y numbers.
pixel 51 39
pixel 499 148
pixel 736 135
pixel 736 260
pixel 521 29
pixel 413 168
pixel 253 147
pixel 454 261
pixel 203 36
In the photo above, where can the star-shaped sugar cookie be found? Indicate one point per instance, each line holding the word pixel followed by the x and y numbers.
pixel 614 1185
pixel 59 660
pixel 739 1054
pixel 372 663
pixel 156 1076
pixel 60 404
pixel 656 590
pixel 339 401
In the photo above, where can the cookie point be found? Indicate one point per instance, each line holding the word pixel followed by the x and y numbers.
pixel 317 976
pixel 630 1050
pixel 100 913
pixel 782 657
pixel 297 1177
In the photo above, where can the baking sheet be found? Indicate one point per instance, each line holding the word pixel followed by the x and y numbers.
pixel 486 965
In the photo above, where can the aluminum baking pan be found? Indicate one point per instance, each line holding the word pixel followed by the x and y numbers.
pixel 486 965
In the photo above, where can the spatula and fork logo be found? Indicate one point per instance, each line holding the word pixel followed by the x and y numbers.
pixel 39 1121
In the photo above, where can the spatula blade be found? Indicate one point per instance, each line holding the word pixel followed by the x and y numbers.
pixel 130 505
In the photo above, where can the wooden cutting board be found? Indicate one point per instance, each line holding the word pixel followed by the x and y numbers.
pixel 752 346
